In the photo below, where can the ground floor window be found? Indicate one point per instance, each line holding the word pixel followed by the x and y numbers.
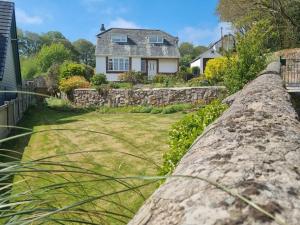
pixel 118 64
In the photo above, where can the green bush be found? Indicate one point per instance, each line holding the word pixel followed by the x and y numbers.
pixel 69 69
pixel 133 77
pixel 195 70
pixel 198 82
pixel 120 85
pixel 156 110
pixel 72 83
pixel 251 57
pixel 175 108
pixel 99 79
pixel 57 103
pixel 142 109
pixel 185 132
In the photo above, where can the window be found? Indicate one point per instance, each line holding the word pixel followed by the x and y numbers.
pixel 143 66
pixel 156 39
pixel 119 38
pixel 118 64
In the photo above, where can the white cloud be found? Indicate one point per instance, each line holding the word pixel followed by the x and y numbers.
pixel 204 36
pixel 24 18
pixel 122 23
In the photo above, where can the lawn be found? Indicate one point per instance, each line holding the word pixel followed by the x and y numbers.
pixel 76 159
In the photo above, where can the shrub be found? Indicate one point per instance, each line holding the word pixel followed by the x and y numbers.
pixel 160 78
pixel 216 69
pixel 120 85
pixel 99 79
pixel 56 103
pixel 175 108
pixel 198 82
pixel 195 70
pixel 133 77
pixel 142 109
pixel 185 76
pixel 251 49
pixel 69 69
pixel 52 79
pixel 89 72
pixel 156 110
pixel 72 83
pixel 185 132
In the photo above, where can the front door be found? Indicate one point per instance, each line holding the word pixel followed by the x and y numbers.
pixel 152 68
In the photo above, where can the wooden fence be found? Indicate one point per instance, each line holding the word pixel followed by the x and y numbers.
pixel 12 112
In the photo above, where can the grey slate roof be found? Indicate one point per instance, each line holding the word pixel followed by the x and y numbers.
pixel 8 29
pixel 137 44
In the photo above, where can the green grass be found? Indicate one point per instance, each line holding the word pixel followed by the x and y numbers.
pixel 87 147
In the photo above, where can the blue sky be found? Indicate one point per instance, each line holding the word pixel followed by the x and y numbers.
pixel 191 20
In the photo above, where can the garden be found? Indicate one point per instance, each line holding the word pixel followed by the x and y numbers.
pixel 98 165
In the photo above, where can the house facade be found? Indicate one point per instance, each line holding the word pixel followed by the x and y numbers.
pixel 10 75
pixel 202 59
pixel 226 43
pixel 148 51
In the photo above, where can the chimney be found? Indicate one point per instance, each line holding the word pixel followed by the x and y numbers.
pixel 102 28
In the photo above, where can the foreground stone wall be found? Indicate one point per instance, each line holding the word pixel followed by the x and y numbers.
pixel 157 96
pixel 253 149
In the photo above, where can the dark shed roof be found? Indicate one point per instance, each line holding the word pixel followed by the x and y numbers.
pixel 8 29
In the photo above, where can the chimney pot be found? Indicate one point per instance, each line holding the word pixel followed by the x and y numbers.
pixel 102 28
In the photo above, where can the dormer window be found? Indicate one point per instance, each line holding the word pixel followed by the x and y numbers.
pixel 119 38
pixel 155 39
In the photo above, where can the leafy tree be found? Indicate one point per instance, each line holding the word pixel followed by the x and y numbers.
pixel 58 38
pixel 185 61
pixel 29 43
pixel 53 54
pixel 186 48
pixel 29 68
pixel 283 14
pixel 86 51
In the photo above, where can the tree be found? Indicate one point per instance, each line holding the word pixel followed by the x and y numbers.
pixel 29 43
pixel 58 38
pixel 86 51
pixel 198 50
pixel 284 14
pixel 186 48
pixel 53 54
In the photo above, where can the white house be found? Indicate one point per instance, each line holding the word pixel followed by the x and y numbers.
pixel 149 51
pixel 226 43
pixel 10 75
pixel 202 59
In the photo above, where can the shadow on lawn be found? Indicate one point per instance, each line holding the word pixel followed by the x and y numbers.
pixel 12 151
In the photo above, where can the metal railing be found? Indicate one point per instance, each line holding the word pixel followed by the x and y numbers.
pixel 290 71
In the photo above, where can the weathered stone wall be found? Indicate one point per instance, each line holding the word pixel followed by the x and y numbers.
pixel 157 96
pixel 253 149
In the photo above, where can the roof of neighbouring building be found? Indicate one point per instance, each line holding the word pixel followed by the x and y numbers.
pixel 211 52
pixel 8 31
pixel 137 44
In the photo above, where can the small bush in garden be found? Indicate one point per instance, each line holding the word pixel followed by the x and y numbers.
pixel 160 78
pixel 99 79
pixel 72 83
pixel 133 77
pixel 185 132
pixel 216 68
pixel 69 69
pixel 142 109
pixel 185 76
pixel 198 82
pixel 89 72
pixel 195 70
pixel 120 85
pixel 156 110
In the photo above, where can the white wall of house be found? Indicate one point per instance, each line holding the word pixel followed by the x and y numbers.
pixel 210 54
pixel 136 64
pixel 168 65
pixel 101 64
pixel 9 77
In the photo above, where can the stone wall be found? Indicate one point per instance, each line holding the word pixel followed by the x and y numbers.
pixel 253 149
pixel 157 96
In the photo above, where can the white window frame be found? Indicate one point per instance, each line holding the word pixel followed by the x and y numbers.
pixel 156 39
pixel 118 64
pixel 119 38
